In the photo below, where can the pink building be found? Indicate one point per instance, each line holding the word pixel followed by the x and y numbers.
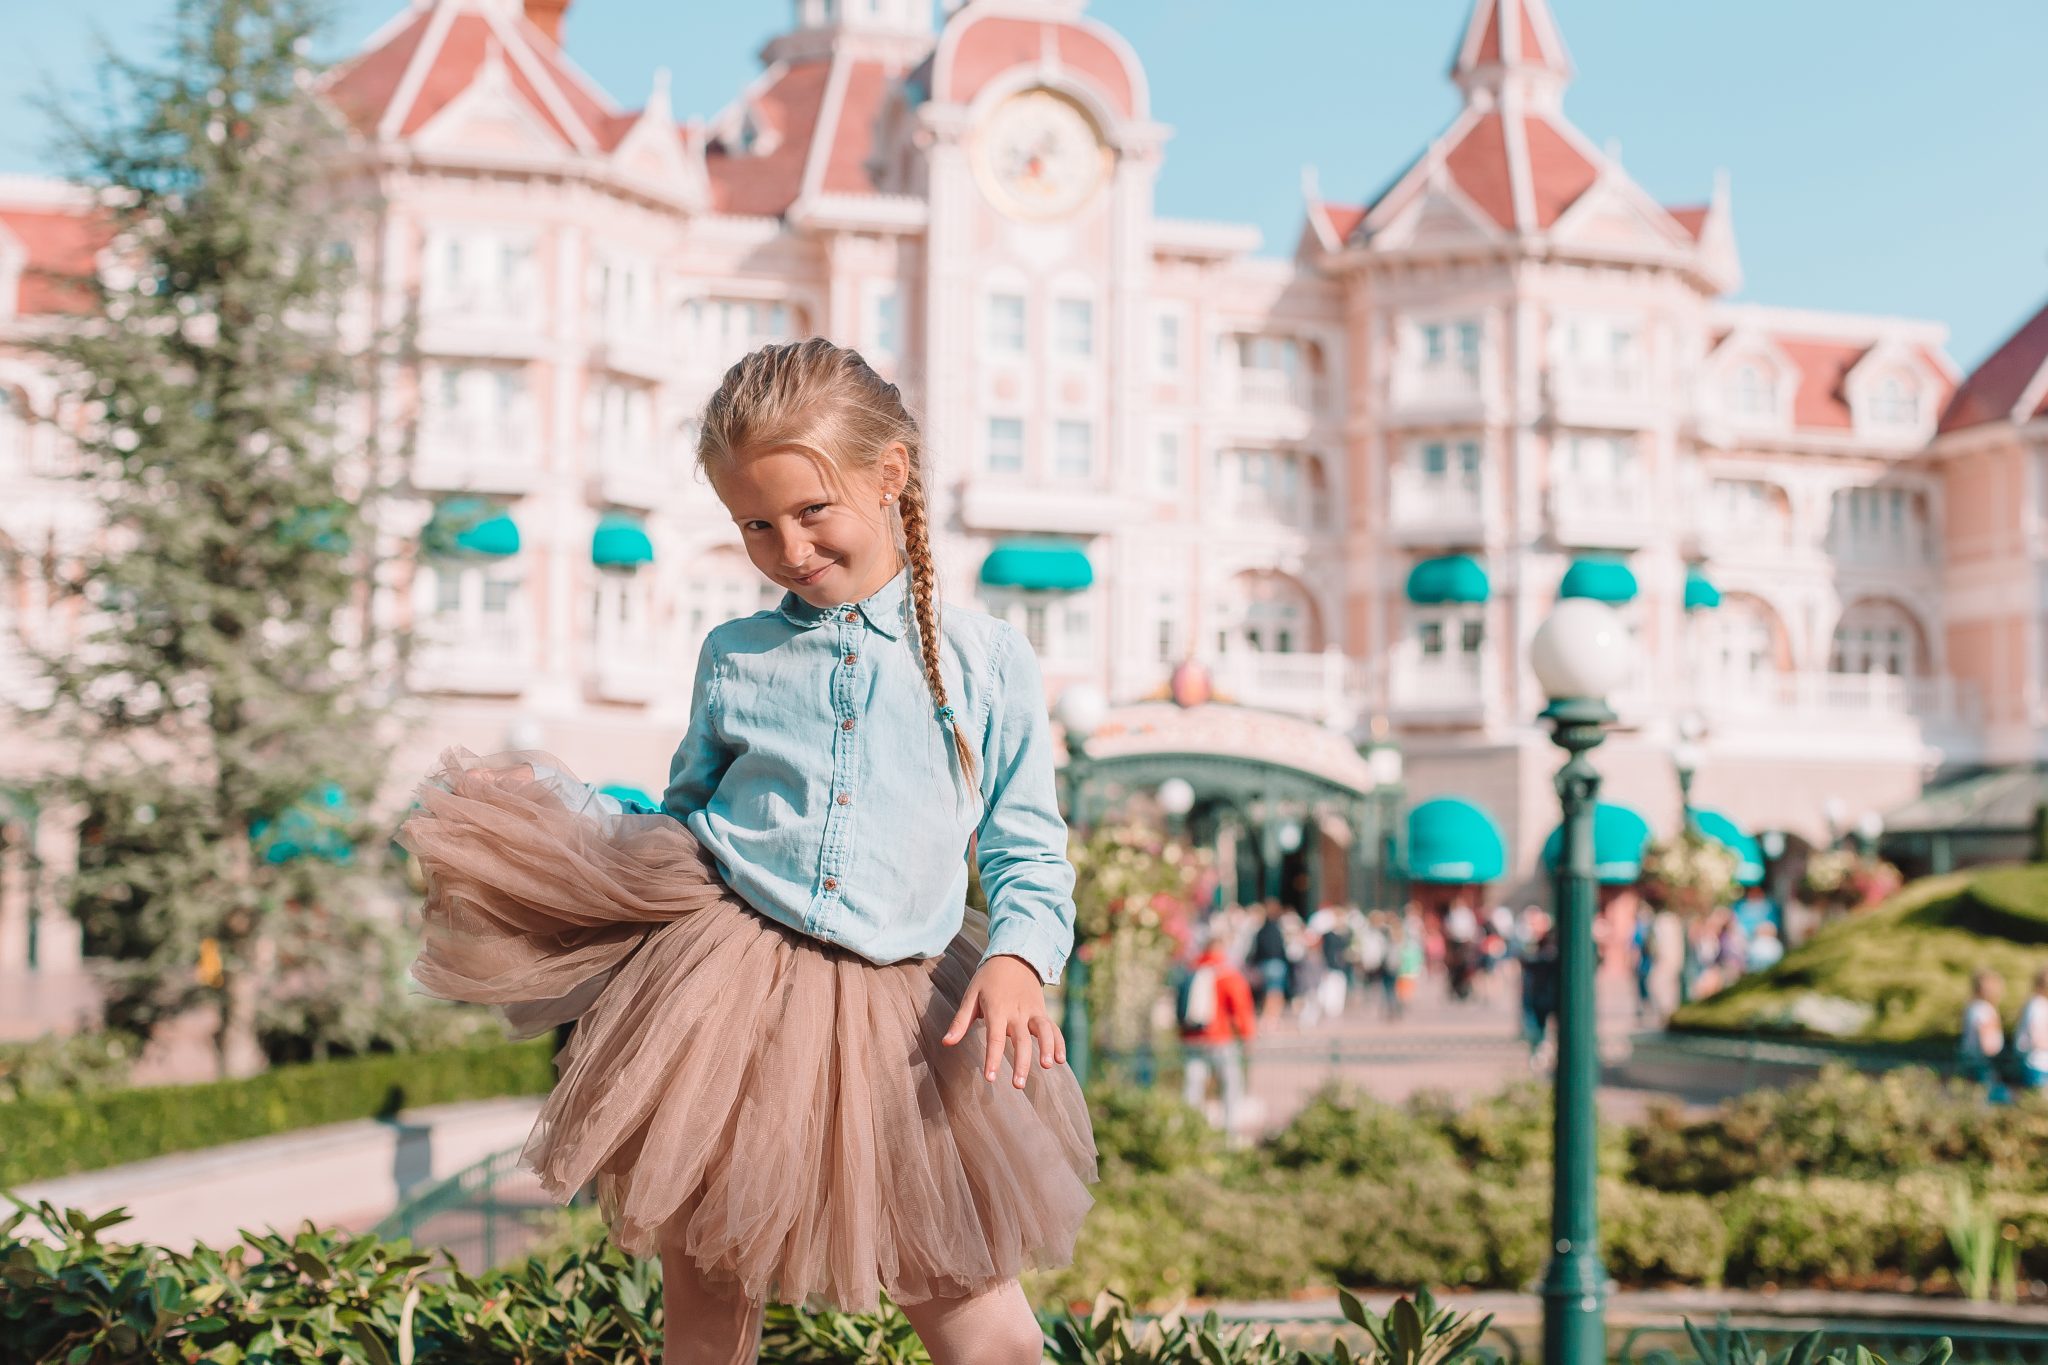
pixel 1351 481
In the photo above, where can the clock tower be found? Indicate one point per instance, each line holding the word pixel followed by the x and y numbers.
pixel 1040 162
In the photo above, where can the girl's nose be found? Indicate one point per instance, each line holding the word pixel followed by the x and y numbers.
pixel 796 549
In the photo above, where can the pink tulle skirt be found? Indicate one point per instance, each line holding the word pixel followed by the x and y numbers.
pixel 780 1109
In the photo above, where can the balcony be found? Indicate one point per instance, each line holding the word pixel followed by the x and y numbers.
pixel 1329 686
pixel 473 321
pixel 1903 553
pixel 1595 395
pixel 631 346
pixel 479 662
pixel 459 455
pixel 1610 513
pixel 632 476
pixel 1723 537
pixel 1439 393
pixel 1444 688
pixel 1858 713
pixel 623 673
pixel 992 505
pixel 1435 509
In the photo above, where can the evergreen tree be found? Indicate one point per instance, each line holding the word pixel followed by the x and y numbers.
pixel 227 716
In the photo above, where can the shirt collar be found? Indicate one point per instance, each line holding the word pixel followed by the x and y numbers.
pixel 882 608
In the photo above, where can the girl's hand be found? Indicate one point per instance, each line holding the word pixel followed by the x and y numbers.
pixel 1007 994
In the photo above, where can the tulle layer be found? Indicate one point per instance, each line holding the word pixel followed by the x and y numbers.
pixel 780 1108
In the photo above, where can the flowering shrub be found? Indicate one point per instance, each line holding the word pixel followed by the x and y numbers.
pixel 1133 899
pixel 1690 875
pixel 1844 878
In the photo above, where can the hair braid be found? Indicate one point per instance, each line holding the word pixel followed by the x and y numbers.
pixel 924 592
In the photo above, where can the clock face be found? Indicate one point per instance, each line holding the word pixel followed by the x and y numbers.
pixel 1038 156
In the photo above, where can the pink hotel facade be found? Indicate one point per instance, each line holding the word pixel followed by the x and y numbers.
pixel 1351 481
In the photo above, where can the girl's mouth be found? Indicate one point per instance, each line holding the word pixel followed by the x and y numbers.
pixel 811 577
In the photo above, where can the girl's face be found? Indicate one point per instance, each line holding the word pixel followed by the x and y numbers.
pixel 827 544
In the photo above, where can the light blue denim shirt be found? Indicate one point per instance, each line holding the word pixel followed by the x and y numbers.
pixel 817 774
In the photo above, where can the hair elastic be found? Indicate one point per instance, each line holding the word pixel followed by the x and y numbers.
pixel 945 715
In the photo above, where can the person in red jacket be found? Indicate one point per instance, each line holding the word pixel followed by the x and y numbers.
pixel 1214 1004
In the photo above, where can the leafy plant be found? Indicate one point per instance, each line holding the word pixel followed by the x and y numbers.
pixel 1986 1248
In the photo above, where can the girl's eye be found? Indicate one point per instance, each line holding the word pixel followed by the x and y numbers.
pixel 816 507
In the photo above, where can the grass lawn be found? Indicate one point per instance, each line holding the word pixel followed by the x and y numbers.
pixel 1908 962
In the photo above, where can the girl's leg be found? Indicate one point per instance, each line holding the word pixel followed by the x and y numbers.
pixel 700 1324
pixel 995 1327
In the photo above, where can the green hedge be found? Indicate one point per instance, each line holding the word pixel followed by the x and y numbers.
pixel 58 1135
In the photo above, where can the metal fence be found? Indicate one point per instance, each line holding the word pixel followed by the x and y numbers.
pixel 483 1215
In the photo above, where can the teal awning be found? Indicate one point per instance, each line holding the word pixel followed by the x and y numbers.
pixel 1453 842
pixel 1603 580
pixel 470 526
pixel 630 796
pixel 316 827
pixel 622 540
pixel 1718 827
pixel 1048 565
pixel 1618 838
pixel 1448 578
pixel 1700 592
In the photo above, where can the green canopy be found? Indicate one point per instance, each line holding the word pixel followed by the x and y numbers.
pixel 1700 592
pixel 1044 564
pixel 630 796
pixel 470 526
pixel 1618 838
pixel 1448 578
pixel 1602 579
pixel 316 827
pixel 621 540
pixel 1453 842
pixel 1749 871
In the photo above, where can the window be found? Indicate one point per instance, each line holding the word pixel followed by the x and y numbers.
pixel 1006 324
pixel 1449 345
pixel 474 604
pixel 1263 484
pixel 1166 461
pixel 1074 329
pixel 1430 632
pixel 1074 450
pixel 1895 403
pixel 1875 523
pixel 1449 461
pixel 1166 628
pixel 884 321
pixel 1468 345
pixel 1167 352
pixel 1005 445
pixel 733 327
pixel 1598 459
pixel 1750 392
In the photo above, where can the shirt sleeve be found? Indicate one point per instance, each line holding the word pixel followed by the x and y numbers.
pixel 702 758
pixel 1021 843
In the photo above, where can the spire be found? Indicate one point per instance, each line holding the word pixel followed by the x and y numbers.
pixel 1512 46
pixel 547 16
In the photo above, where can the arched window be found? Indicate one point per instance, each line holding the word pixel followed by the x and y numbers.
pixel 1876 636
pixel 1752 392
pixel 1267 613
pixel 1747 645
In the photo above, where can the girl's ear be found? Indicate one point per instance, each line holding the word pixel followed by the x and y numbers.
pixel 894 467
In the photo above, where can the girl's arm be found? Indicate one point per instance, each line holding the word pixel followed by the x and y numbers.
pixel 1021 844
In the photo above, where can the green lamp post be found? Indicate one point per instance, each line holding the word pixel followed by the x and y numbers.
pixel 1081 711
pixel 1383 757
pixel 1579 655
pixel 1686 756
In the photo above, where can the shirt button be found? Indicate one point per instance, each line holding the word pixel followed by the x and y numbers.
pixel 846 724
pixel 853 616
pixel 831 883
pixel 850 658
pixel 845 799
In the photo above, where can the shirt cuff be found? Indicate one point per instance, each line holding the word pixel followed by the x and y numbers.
pixel 1020 937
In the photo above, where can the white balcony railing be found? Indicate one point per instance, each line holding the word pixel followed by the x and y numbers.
pixel 1327 685
pixel 1435 505
pixel 1277 389
pixel 513 307
pixel 1437 386
pixel 1844 697
pixel 1908 550
pixel 1449 684
pixel 624 672
pixel 481 660
pixel 1594 511
pixel 489 456
pixel 1595 383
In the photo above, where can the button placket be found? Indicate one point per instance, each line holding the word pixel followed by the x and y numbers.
pixel 845 751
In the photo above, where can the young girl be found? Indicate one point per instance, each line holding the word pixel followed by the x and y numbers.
pixel 788 1074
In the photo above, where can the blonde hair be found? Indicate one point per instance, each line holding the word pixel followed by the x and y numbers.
pixel 826 402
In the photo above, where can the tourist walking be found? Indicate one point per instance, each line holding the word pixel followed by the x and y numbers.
pixel 1983 1040
pixel 1270 968
pixel 2030 1037
pixel 1539 961
pixel 1213 1004
pixel 789 1076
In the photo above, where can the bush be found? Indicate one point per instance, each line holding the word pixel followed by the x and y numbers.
pixel 58 1134
pixel 1150 1130
pixel 1848 1234
pixel 1355 1135
pixel 1845 1124
pixel 81 1064
pixel 1654 1238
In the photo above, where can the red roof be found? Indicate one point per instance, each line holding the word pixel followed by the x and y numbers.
pixel 764 184
pixel 433 57
pixel 1558 172
pixel 61 244
pixel 853 136
pixel 1823 365
pixel 1995 388
pixel 1343 219
pixel 1691 217
pixel 1480 162
pixel 987 47
pixel 1508 34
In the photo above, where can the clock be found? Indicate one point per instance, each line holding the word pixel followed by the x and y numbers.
pixel 1038 156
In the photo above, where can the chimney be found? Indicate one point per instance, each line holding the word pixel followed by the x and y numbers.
pixel 546 15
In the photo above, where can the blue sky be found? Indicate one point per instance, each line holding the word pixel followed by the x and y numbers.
pixel 1886 157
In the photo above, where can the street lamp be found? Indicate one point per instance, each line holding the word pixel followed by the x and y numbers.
pixel 1081 710
pixel 1176 798
pixel 1869 828
pixel 1580 654
pixel 1383 759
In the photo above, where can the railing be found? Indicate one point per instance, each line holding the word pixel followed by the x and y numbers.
pixel 1277 389
pixel 1324 686
pixel 1436 385
pixel 1845 695
pixel 1452 681
pixel 487 1210
pixel 1591 383
pixel 487 456
pixel 1910 551
pixel 1579 499
pixel 514 306
pixel 485 660
pixel 1419 501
